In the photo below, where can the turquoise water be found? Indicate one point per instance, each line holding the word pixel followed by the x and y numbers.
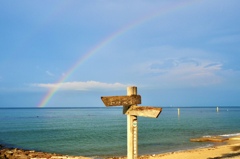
pixel 102 131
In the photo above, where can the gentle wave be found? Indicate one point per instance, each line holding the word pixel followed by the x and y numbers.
pixel 230 135
pixel 224 135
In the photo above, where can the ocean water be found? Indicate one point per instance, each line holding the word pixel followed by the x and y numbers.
pixel 102 131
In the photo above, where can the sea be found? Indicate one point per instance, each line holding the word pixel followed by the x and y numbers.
pixel 102 131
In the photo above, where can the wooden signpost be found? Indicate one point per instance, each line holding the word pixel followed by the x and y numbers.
pixel 121 100
pixel 131 109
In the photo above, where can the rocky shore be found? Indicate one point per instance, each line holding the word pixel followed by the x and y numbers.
pixel 14 153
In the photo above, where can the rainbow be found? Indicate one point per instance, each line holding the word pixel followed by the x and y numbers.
pixel 107 40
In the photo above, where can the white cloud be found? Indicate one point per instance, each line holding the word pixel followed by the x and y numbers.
pixel 78 85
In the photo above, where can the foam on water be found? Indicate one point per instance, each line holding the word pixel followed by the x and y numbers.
pixel 230 135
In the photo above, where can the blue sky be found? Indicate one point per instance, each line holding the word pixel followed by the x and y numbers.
pixel 178 53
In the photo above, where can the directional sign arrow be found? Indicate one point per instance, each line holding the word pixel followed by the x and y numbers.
pixel 121 100
pixel 144 111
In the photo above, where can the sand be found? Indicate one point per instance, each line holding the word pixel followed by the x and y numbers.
pixel 219 152
pixel 229 151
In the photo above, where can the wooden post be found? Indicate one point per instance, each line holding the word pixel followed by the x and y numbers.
pixel 130 108
pixel 132 139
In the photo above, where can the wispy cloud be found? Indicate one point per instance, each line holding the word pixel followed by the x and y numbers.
pixel 83 86
pixel 194 72
pixel 181 67
pixel 49 73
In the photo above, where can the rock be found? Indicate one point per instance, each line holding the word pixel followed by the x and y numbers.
pixel 22 156
pixel 207 139
pixel 15 150
pixel 6 153
pixel 9 152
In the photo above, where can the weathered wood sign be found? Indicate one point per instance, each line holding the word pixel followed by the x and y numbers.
pixel 144 111
pixel 131 109
pixel 121 100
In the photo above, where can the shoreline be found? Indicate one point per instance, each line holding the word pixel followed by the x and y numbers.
pixel 230 149
pixel 15 153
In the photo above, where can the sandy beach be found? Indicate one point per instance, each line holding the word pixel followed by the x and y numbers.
pixel 230 150
pixel 219 152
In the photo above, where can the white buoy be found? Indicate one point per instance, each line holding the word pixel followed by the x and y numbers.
pixel 178 111
pixel 217 109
